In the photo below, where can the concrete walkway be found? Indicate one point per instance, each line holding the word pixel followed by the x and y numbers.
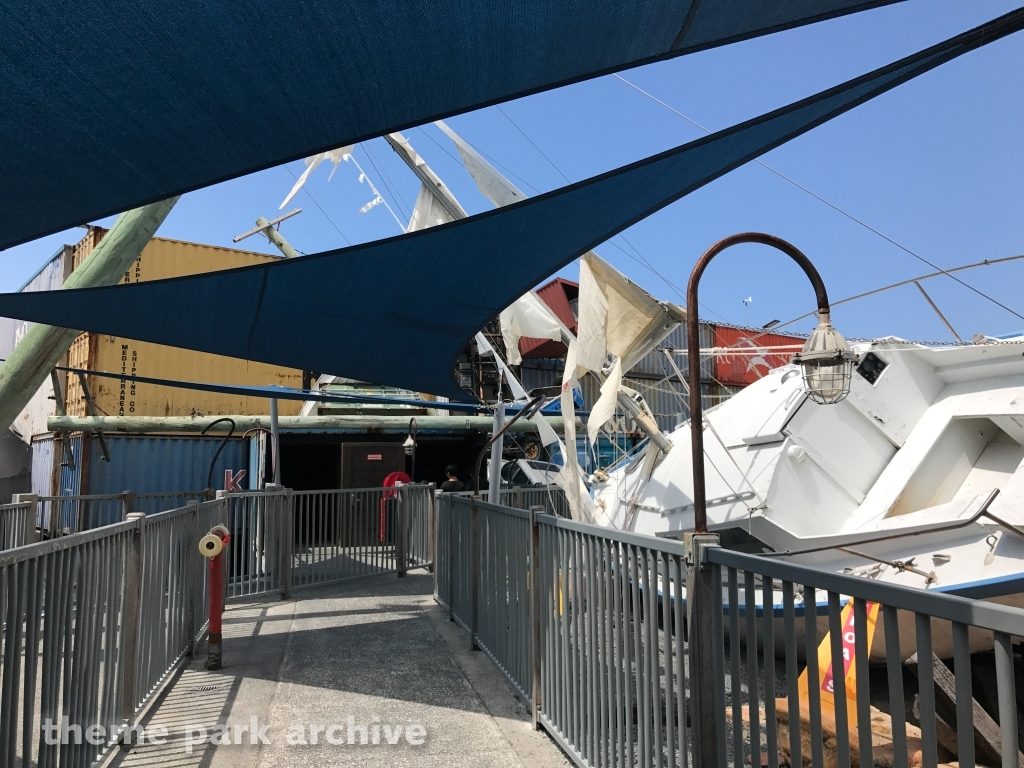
pixel 373 656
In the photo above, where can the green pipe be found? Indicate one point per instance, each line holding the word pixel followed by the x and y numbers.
pixel 187 424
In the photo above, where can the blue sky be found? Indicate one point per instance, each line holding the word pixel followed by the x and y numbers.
pixel 936 165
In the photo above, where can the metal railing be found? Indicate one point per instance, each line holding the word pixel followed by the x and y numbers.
pixel 452 568
pixel 63 515
pixel 612 673
pixel 946 710
pixel 550 498
pixel 259 558
pixel 284 538
pixel 636 650
pixel 500 558
pixel 17 524
pixel 94 622
pixel 152 503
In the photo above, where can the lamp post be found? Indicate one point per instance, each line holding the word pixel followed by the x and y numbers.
pixel 826 357
pixel 827 364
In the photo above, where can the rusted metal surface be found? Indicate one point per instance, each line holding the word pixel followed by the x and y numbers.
pixel 693 347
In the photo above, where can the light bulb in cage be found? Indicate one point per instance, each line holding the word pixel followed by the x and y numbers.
pixel 827 363
pixel 409 445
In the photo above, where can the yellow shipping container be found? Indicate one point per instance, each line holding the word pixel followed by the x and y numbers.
pixel 160 259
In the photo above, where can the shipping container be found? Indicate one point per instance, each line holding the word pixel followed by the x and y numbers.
pixel 562 296
pixel 50 277
pixel 151 464
pixel 32 419
pixel 42 465
pixel 143 464
pixel 74 465
pixel 757 353
pixel 536 373
pixel 163 258
pixel 654 362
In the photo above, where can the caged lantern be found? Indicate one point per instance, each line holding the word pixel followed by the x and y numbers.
pixel 827 363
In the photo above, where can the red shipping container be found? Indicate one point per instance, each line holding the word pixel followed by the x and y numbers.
pixel 557 295
pixel 757 352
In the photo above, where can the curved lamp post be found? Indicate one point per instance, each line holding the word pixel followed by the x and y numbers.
pixel 826 358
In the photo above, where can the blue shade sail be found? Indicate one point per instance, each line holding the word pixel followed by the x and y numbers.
pixel 110 104
pixel 398 311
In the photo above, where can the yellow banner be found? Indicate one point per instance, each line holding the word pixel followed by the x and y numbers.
pixel 826 674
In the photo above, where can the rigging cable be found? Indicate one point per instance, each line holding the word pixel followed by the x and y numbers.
pixel 643 261
pixel 399 200
pixel 310 195
pixel 831 205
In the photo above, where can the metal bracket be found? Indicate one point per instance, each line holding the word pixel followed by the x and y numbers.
pixel 65 436
pixel 93 412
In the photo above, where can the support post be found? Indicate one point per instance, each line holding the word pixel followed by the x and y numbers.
pixel 432 530
pixel 402 534
pixel 474 573
pixel 275 436
pixel 128 499
pixel 452 548
pixel 282 505
pixel 33 518
pixel 134 574
pixel 276 238
pixel 704 598
pixel 42 347
pixel 497 448
pixel 191 581
pixel 535 612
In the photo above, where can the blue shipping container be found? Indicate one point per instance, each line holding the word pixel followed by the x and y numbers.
pixel 150 464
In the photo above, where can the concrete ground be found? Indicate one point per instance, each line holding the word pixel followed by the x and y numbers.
pixel 373 655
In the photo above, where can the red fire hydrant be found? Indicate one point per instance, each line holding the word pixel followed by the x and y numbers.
pixel 211 546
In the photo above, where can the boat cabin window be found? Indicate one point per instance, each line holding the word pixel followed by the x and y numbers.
pixel 871 367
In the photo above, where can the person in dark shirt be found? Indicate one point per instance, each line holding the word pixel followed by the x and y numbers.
pixel 452 484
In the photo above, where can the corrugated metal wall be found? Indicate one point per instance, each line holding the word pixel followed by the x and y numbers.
pixel 654 363
pixel 71 469
pixel 150 464
pixel 744 368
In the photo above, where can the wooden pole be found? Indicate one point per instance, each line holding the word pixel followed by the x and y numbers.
pixel 40 350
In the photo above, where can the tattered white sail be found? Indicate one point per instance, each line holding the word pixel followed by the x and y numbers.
pixel 616 318
pixel 528 317
pixel 428 211
pixel 492 184
pixel 334 155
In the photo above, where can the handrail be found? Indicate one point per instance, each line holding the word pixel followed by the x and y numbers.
pixel 999 618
